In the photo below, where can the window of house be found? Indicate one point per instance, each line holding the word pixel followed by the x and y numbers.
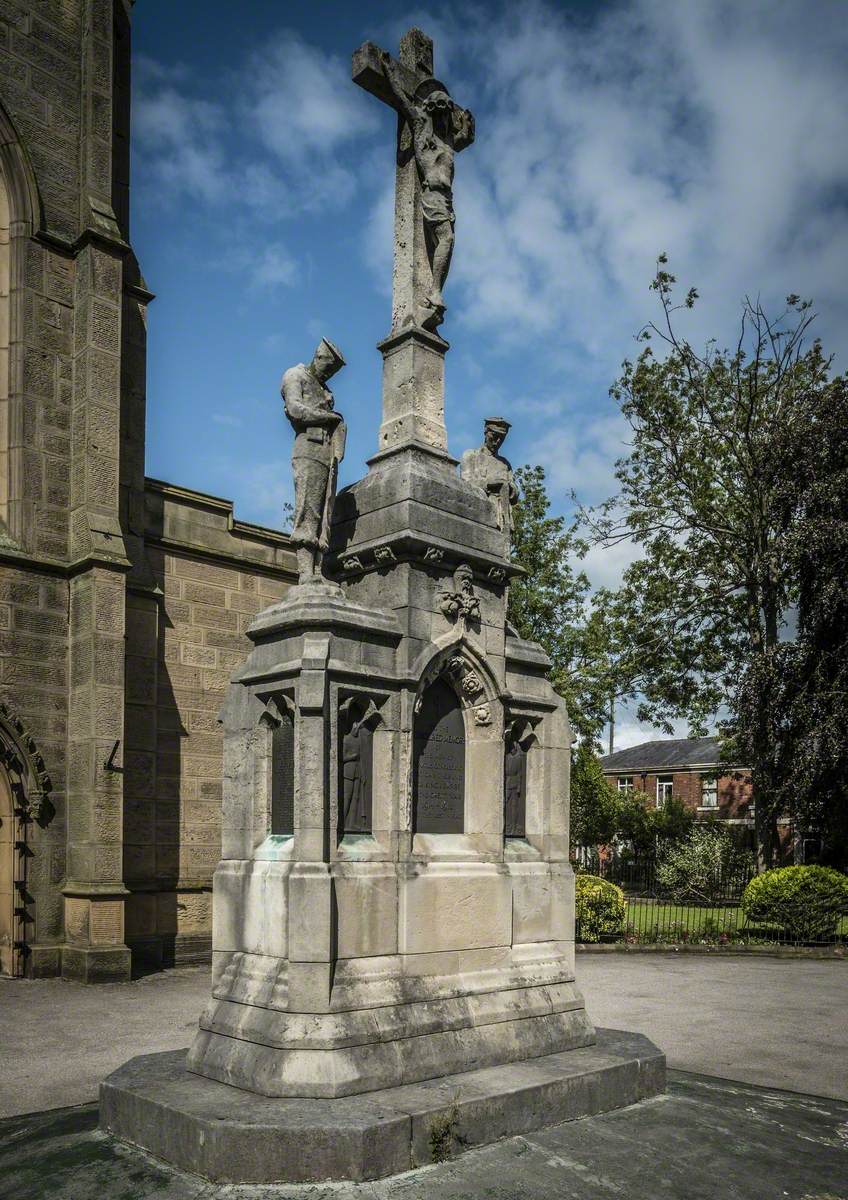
pixel 625 783
pixel 709 791
pixel 665 786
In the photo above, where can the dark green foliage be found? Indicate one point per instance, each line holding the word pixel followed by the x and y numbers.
pixel 549 605
pixel 700 495
pixel 646 828
pixel 703 867
pixel 594 804
pixel 805 903
pixel 793 703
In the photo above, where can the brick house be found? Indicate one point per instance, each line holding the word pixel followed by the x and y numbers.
pixel 123 600
pixel 689 769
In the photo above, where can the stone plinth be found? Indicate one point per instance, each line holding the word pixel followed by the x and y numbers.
pixel 369 945
pixel 413 389
pixel 228 1135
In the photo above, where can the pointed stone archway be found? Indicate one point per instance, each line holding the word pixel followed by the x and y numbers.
pixel 8 952
pixel 24 799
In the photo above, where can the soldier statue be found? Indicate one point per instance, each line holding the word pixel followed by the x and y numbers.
pixel 319 447
pixel 490 471
pixel 514 786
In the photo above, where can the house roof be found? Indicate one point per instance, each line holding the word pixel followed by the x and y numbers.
pixel 669 752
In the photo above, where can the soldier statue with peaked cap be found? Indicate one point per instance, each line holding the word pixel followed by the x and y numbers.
pixel 490 471
pixel 319 447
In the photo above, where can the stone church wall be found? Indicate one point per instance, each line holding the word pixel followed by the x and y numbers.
pixel 122 604
pixel 185 637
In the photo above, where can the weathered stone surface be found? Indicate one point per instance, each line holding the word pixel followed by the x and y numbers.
pixel 319 447
pixel 228 1135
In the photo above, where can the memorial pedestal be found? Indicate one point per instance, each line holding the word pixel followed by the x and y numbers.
pixel 231 1136
pixel 393 913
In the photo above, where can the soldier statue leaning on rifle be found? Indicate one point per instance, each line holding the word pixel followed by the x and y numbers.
pixel 319 447
pixel 489 470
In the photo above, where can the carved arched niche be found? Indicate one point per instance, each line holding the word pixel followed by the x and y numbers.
pixel 457 752
pixel 438 761
pixel 274 775
pixel 519 738
pixel 359 717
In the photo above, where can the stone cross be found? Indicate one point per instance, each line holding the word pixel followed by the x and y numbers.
pixel 406 86
pixel 413 353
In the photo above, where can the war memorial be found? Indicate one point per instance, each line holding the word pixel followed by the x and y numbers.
pixel 393 912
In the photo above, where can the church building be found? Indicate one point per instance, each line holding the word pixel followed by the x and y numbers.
pixel 123 600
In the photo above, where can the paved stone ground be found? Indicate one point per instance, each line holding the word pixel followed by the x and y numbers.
pixel 778 1022
pixel 772 1021
pixel 769 1021
pixel 707 1139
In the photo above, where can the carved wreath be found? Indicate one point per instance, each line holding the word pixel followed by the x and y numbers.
pixel 461 602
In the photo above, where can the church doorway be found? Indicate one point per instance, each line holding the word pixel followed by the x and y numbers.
pixel 8 953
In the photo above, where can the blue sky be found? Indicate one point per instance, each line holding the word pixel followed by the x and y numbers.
pixel 262 186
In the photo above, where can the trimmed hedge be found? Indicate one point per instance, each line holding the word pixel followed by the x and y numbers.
pixel 804 903
pixel 599 908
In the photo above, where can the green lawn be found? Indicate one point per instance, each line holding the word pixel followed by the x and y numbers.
pixel 690 922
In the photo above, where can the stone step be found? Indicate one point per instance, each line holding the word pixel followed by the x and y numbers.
pixel 228 1135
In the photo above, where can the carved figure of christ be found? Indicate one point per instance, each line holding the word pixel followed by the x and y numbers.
pixel 431 129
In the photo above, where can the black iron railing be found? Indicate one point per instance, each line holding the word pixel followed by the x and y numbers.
pixel 709 913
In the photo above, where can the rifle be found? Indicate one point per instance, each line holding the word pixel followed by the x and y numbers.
pixel 337 449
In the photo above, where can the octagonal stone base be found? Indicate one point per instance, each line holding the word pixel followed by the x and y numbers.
pixel 226 1134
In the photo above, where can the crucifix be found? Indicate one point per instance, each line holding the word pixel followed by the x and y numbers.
pixel 431 129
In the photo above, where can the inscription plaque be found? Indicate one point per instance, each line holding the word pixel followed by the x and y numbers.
pixel 282 776
pixel 439 762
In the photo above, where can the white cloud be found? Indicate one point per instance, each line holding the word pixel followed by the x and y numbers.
pixel 606 565
pixel 578 452
pixel 302 102
pixel 276 151
pixel 228 419
pixel 628 732
pixel 179 138
pixel 712 130
pixel 273 267
pixel 268 487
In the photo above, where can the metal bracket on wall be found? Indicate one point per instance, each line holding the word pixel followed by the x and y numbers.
pixel 110 764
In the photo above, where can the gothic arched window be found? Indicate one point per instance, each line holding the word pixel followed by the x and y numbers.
pixel 5 321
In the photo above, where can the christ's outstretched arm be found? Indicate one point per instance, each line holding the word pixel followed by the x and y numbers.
pixel 410 111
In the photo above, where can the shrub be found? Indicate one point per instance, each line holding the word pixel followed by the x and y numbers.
pixel 702 868
pixel 643 827
pixel 805 903
pixel 599 908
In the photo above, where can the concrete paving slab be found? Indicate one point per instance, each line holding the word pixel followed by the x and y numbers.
pixel 772 1021
pixel 707 1139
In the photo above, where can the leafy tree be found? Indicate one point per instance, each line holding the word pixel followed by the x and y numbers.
pixel 549 604
pixel 673 822
pixel 793 702
pixel 647 828
pixel 702 867
pixel 699 495
pixel 595 808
